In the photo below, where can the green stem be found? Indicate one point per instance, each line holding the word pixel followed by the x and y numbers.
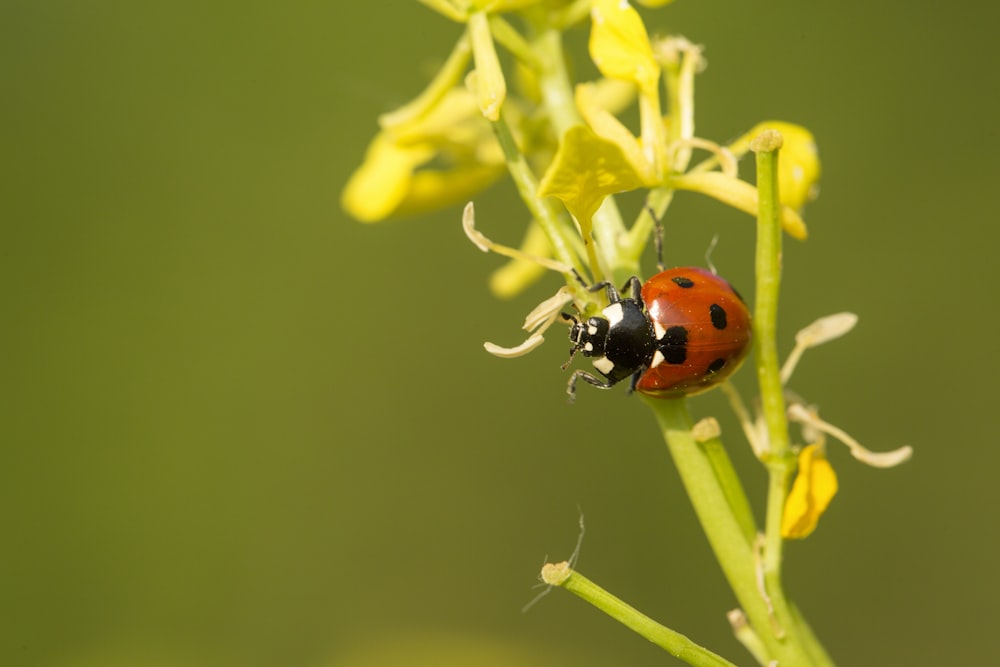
pixel 527 186
pixel 779 460
pixel 732 488
pixel 724 532
pixel 444 81
pixel 505 34
pixel 672 641
pixel 557 97
pixel 768 275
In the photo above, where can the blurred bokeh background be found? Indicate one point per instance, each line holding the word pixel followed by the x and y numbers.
pixel 239 428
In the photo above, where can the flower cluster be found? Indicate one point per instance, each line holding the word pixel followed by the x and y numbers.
pixel 466 129
pixel 514 110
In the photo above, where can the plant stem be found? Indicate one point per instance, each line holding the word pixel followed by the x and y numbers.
pixel 527 186
pixel 557 97
pixel 768 278
pixel 672 641
pixel 732 488
pixel 724 532
pixel 778 458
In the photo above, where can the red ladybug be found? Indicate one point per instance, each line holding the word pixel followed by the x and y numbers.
pixel 683 332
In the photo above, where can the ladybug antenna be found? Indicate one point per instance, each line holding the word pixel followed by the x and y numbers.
pixel 657 238
pixel 579 278
pixel 708 253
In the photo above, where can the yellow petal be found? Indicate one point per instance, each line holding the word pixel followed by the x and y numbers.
pixel 813 489
pixel 434 189
pixel 607 126
pixel 738 194
pixel 586 169
pixel 619 45
pixel 498 6
pixel 798 163
pixel 377 188
pixel 490 85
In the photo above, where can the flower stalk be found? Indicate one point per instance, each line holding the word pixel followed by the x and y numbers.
pixel 675 643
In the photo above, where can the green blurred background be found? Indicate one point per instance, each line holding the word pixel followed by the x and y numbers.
pixel 239 428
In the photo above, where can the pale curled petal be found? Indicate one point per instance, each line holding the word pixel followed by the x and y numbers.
pixel 547 311
pixel 486 245
pixel 537 322
pixel 821 331
pixel 803 415
pixel 826 329
pixel 530 343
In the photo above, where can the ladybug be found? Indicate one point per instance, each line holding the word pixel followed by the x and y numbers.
pixel 681 333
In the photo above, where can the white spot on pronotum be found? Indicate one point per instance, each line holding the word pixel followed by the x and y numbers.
pixel 588 347
pixel 614 314
pixel 659 330
pixel 657 359
pixel 604 365
pixel 591 330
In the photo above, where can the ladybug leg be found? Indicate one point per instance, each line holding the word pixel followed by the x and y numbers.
pixel 634 380
pixel 586 377
pixel 613 296
pixel 633 287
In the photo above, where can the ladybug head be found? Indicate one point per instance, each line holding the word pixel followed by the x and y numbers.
pixel 589 337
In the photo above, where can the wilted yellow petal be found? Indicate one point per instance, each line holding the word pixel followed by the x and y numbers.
pixel 813 489
pixel 378 187
pixel 738 194
pixel 619 45
pixel 586 169
pixel 491 88
pixel 798 163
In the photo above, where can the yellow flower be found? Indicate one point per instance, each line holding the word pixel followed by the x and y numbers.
pixel 591 99
pixel 435 160
pixel 586 169
pixel 814 488
pixel 619 45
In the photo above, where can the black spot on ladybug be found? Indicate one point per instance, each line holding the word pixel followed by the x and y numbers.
pixel 673 345
pixel 716 366
pixel 718 314
pixel 681 281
